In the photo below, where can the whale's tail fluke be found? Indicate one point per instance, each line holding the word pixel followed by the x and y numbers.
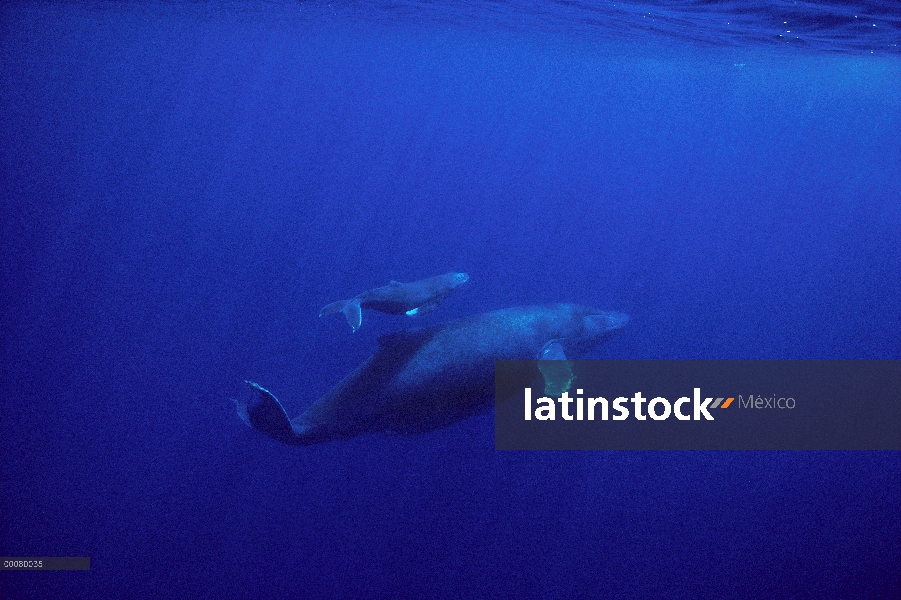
pixel 351 309
pixel 264 413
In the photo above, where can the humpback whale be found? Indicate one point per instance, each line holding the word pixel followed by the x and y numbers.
pixel 424 379
pixel 416 298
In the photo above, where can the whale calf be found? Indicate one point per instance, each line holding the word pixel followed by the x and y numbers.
pixel 424 379
pixel 416 298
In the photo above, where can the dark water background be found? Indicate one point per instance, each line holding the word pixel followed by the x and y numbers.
pixel 183 187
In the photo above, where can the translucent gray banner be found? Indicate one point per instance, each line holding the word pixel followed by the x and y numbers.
pixel 45 563
pixel 698 405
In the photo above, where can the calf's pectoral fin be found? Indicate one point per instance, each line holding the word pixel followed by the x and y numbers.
pixel 424 309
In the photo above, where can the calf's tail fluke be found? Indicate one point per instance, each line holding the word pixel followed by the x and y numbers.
pixel 351 309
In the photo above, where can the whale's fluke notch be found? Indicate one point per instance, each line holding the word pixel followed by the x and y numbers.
pixel 413 299
pixel 425 379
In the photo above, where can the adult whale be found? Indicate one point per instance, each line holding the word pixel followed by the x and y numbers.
pixel 396 298
pixel 425 379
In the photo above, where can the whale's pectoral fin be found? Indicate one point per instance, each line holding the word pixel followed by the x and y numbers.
pixel 557 371
pixel 351 309
pixel 552 350
pixel 424 309
pixel 264 413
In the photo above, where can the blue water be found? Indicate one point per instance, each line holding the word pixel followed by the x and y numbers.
pixel 183 187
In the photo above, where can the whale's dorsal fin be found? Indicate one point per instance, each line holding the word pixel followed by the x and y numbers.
pixel 397 337
pixel 395 283
pixel 404 337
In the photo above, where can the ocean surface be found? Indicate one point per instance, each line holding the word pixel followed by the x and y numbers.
pixel 183 186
